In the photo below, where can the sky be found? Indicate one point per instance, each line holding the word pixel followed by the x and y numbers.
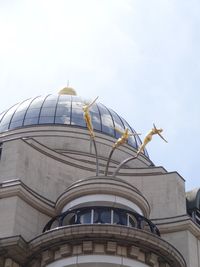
pixel 141 58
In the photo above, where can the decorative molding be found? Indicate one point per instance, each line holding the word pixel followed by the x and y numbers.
pixel 15 187
pixel 177 224
pixel 103 185
pixel 108 239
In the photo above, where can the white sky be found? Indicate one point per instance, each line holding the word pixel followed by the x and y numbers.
pixel 140 57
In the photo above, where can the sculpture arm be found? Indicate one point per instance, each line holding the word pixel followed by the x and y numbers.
pixel 133 134
pixel 162 137
pixel 89 105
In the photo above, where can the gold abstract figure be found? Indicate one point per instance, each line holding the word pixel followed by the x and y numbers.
pixel 148 138
pixel 87 117
pixel 124 137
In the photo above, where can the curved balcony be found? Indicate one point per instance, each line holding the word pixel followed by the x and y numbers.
pixel 102 215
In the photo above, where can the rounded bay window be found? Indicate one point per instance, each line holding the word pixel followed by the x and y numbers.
pixel 102 200
pixel 102 215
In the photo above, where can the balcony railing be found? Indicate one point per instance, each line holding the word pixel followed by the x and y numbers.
pixel 102 215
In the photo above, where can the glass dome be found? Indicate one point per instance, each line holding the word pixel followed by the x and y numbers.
pixel 64 110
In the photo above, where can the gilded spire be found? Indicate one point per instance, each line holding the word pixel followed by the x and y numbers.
pixel 67 91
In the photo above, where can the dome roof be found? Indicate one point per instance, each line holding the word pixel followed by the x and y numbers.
pixel 64 110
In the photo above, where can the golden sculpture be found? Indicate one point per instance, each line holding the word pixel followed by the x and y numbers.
pixel 148 138
pixel 87 117
pixel 124 138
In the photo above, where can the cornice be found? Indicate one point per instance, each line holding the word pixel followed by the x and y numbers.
pixel 16 187
pixel 177 224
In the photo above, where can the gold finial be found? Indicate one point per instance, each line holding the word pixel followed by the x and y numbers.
pixel 67 91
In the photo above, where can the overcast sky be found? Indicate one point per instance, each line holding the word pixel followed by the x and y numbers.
pixel 140 57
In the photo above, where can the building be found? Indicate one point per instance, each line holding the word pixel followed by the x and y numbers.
pixel 59 208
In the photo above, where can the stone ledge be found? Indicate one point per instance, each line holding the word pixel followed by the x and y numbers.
pixel 115 239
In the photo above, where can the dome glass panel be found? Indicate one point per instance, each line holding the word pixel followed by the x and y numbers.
pixel 65 110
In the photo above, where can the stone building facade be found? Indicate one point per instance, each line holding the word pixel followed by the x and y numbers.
pixel 60 209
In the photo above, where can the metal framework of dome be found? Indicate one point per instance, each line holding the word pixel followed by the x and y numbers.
pixel 65 110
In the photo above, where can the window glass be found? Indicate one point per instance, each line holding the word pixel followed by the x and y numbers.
pixel 105 215
pixel 62 120
pixel 85 217
pixel 132 221
pixel 131 139
pixel 23 106
pixel 123 219
pixel 116 217
pixel 50 101
pixel 77 115
pixel 1 115
pixel 63 99
pixel 55 224
pixel 46 120
pixel 6 119
pixel 68 219
pixel 32 113
pixel 96 218
pixel 107 123
pixel 47 111
pixel 37 102
pixel 96 122
pixel 118 123
pixel 63 110
pixel 18 117
pixel 31 121
pixel 16 124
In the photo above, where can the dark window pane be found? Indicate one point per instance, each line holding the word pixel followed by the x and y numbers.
pixel 105 216
pixel 132 221
pixel 85 217
pixel 55 224
pixel 116 217
pixel 69 219
pixel 96 218
pixel 123 219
